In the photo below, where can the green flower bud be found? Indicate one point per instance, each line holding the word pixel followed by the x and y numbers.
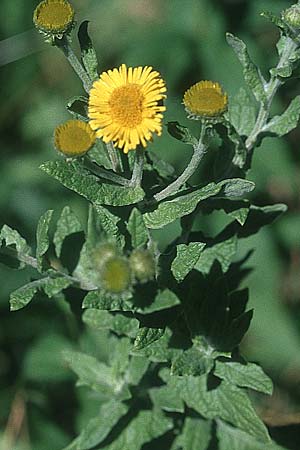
pixel 292 16
pixel 142 264
pixel 115 275
pixel 102 253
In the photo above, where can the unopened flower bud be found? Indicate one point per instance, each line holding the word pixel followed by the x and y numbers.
pixel 292 16
pixel 142 264
pixel 115 275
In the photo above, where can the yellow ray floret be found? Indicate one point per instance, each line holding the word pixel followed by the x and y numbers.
pixel 54 16
pixel 125 106
pixel 205 99
pixel 74 138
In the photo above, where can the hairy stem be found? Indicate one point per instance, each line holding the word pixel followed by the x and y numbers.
pixel 137 173
pixel 114 157
pixel 271 89
pixel 199 151
pixel 67 50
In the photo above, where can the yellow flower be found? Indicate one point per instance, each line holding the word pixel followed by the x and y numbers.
pixel 54 17
pixel 74 138
pixel 205 100
pixel 125 106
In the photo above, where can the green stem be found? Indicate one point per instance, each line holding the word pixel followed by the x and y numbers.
pixel 114 157
pixel 271 89
pixel 67 50
pixel 103 173
pixel 199 151
pixel 137 172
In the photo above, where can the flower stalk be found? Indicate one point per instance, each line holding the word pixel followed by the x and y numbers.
pixel 199 151
pixel 137 172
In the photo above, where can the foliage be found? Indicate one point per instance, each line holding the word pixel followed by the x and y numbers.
pixel 160 363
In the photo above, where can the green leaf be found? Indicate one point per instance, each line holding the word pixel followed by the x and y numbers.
pixel 158 351
pixel 251 73
pixel 186 258
pixel 102 300
pixel 145 427
pixel 244 375
pixel 224 401
pixel 101 320
pixel 164 299
pixel 223 252
pixel 239 214
pixel 137 229
pixel 235 188
pixel 242 113
pixel 181 133
pixel 146 336
pixel 22 296
pixel 195 435
pixel 67 224
pixel 276 20
pixel 42 238
pixel 13 238
pixel 109 224
pixel 78 107
pixel 73 176
pixel 163 168
pixel 281 125
pixel 193 361
pixel 234 439
pixel 171 210
pixel 88 54
pixel 98 428
pixel 167 399
pixel 137 368
pixel 284 71
pixel 97 375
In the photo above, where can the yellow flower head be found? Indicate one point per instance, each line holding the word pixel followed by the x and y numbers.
pixel 124 106
pixel 54 17
pixel 74 138
pixel 205 100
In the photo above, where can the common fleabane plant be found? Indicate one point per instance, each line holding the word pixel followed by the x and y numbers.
pixel 172 322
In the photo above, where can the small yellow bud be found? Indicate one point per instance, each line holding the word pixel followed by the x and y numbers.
pixel 74 138
pixel 142 264
pixel 54 18
pixel 205 100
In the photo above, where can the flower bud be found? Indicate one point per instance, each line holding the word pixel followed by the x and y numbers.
pixel 102 253
pixel 292 16
pixel 115 275
pixel 54 18
pixel 74 138
pixel 142 264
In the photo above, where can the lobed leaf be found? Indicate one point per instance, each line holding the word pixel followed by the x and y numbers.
pixel 223 252
pixel 42 238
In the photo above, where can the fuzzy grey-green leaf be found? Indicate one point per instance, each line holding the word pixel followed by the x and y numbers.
pixel 118 323
pixel 88 53
pixel 137 229
pixel 186 258
pixel 67 224
pixel 42 238
pixel 73 176
pixel 223 252
pixel 146 336
pixel 281 125
pixel 242 113
pixel 13 238
pixel 244 375
pixel 251 73
pixel 196 435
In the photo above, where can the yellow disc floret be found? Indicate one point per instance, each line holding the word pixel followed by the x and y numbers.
pixel 205 100
pixel 54 17
pixel 115 275
pixel 125 106
pixel 74 138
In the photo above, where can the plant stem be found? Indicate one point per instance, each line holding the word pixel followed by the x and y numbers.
pixel 114 157
pixel 137 172
pixel 67 50
pixel 103 173
pixel 271 89
pixel 199 151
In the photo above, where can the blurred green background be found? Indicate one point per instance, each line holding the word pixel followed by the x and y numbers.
pixel 185 41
